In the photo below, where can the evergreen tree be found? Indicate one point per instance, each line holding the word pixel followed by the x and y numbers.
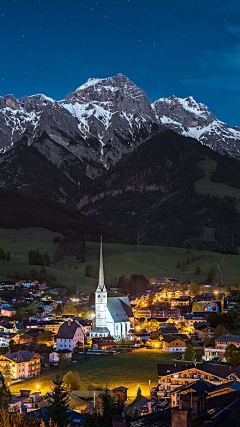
pixel 72 380
pixel 183 266
pixel 189 353
pixel 59 403
pixel 2 253
pixel 198 270
pixel 46 258
pixel 39 258
pixel 33 308
pixel 51 280
pixel 15 419
pixel 232 355
pixel 220 330
pixel 194 288
pixel 34 274
pixel 211 275
pixel 5 394
pixel 7 373
pixel 62 363
pixel 139 391
pixel 197 307
pixel 89 271
pixel 31 257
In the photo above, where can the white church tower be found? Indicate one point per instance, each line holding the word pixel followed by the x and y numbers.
pixel 100 329
pixel 101 296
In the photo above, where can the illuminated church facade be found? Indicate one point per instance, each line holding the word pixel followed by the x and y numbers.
pixel 112 315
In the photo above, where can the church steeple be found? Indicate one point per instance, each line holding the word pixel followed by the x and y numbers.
pixel 101 295
pixel 101 285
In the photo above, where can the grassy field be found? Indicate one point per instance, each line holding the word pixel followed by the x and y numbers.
pixel 118 259
pixel 206 186
pixel 126 369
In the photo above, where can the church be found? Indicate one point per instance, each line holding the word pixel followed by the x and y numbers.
pixel 112 315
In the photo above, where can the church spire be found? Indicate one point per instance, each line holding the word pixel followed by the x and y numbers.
pixel 101 284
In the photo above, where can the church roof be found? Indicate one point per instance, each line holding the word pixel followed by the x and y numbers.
pixel 119 309
pixel 126 306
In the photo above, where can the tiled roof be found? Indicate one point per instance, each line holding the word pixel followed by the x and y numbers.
pixel 229 338
pixel 156 419
pixel 117 309
pixel 20 356
pixel 67 330
pixel 218 370
pixel 172 337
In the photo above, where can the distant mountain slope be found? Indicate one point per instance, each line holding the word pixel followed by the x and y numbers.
pixel 22 212
pixel 153 191
pixel 105 150
pixel 189 118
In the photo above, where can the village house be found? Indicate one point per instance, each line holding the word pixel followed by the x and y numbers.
pixel 174 343
pixel 23 364
pixel 70 335
pixel 223 341
pixel 48 306
pixel 85 323
pixel 172 376
pixel 211 353
pixel 50 325
pixel 5 337
pixel 191 319
pixel 181 301
pixel 204 331
pixel 55 356
pixel 8 312
pixel 8 327
pixel 103 343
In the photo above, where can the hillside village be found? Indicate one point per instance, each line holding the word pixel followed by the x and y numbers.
pixel 44 330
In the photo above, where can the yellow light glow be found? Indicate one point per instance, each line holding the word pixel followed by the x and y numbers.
pixel 215 292
pixel 37 386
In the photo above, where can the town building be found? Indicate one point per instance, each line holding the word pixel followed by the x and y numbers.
pixel 204 331
pixel 103 343
pixel 70 335
pixel 172 376
pixel 55 356
pixel 222 342
pixel 23 364
pixel 5 337
pixel 112 315
pixel 8 312
pixel 174 343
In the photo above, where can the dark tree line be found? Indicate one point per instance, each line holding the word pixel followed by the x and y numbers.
pixel 37 258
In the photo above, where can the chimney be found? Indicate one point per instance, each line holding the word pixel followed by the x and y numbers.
pixel 150 407
pixel 69 322
pixel 181 417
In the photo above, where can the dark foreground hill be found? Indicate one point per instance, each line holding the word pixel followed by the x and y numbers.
pixel 169 190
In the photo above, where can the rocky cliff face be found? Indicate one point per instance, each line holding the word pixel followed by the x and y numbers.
pixel 189 118
pixel 87 133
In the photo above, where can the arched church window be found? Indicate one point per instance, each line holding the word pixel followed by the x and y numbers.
pixel 98 296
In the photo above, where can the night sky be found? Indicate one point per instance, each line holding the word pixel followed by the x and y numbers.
pixel 166 47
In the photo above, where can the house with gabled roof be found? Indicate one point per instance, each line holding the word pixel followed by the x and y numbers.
pixel 70 335
pixel 172 376
pixel 23 364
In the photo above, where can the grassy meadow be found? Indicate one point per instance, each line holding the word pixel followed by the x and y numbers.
pixel 118 259
pixel 124 369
